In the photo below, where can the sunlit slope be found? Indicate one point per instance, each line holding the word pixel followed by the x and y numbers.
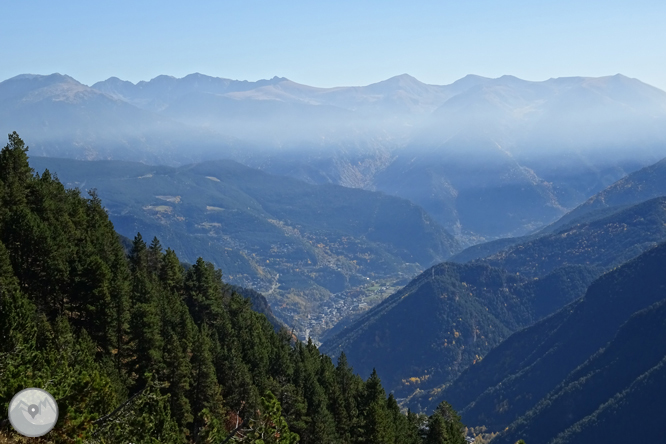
pixel 605 242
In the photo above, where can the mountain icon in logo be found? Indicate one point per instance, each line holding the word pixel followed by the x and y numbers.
pixel 33 412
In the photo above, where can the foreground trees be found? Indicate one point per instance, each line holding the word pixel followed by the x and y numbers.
pixel 137 348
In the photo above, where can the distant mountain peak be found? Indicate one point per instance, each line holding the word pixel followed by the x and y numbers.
pixel 51 78
pixel 114 81
pixel 401 79
pixel 406 76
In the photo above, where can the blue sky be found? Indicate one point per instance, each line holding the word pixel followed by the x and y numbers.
pixel 337 42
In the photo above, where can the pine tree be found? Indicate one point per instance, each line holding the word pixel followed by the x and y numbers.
pixel 269 427
pixel 376 424
pixel 416 425
pixel 15 173
pixel 147 342
pixel 454 426
pixel 204 391
pixel 18 332
pixel 240 394
pixel 154 256
pixel 171 272
pixel 104 243
pixel 444 426
pixel 178 376
pixel 437 431
pixel 203 293
pixel 347 415
pixel 145 325
pixel 90 299
pixel 251 331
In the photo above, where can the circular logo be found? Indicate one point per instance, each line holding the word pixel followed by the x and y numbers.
pixel 33 412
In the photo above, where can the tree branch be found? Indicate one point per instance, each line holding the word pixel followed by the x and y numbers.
pixel 234 432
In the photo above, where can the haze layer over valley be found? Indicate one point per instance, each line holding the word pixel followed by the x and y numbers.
pixel 317 252
pixel 486 158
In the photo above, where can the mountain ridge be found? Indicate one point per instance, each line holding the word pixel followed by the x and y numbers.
pixel 488 158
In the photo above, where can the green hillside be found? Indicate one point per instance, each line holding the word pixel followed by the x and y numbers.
pixel 535 367
pixel 602 398
pixel 137 348
pixel 449 317
pixel 298 244
pixel 604 243
pixel 421 340
pixel 639 186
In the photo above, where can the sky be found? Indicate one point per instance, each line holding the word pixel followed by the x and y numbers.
pixel 335 43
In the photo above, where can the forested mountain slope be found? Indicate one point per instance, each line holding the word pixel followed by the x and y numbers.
pixel 449 317
pixel 420 339
pixel 605 242
pixel 639 186
pixel 135 348
pixel 295 242
pixel 603 239
pixel 544 366
pixel 601 399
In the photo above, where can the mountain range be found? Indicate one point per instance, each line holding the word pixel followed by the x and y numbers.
pixel 350 209
pixel 487 158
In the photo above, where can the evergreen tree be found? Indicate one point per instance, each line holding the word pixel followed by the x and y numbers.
pixel 454 426
pixel 204 391
pixel 437 431
pixel 269 427
pixel 347 413
pixel 15 174
pixel 171 272
pixel 178 376
pixel 376 424
pixel 154 256
pixel 240 394
pixel 145 325
pixel 18 332
pixel 203 293
pixel 445 427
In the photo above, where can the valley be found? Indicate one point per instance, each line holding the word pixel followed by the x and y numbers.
pixel 317 252
pixel 333 222
pixel 528 279
pixel 441 253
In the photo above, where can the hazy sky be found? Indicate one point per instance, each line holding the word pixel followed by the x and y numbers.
pixel 335 42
